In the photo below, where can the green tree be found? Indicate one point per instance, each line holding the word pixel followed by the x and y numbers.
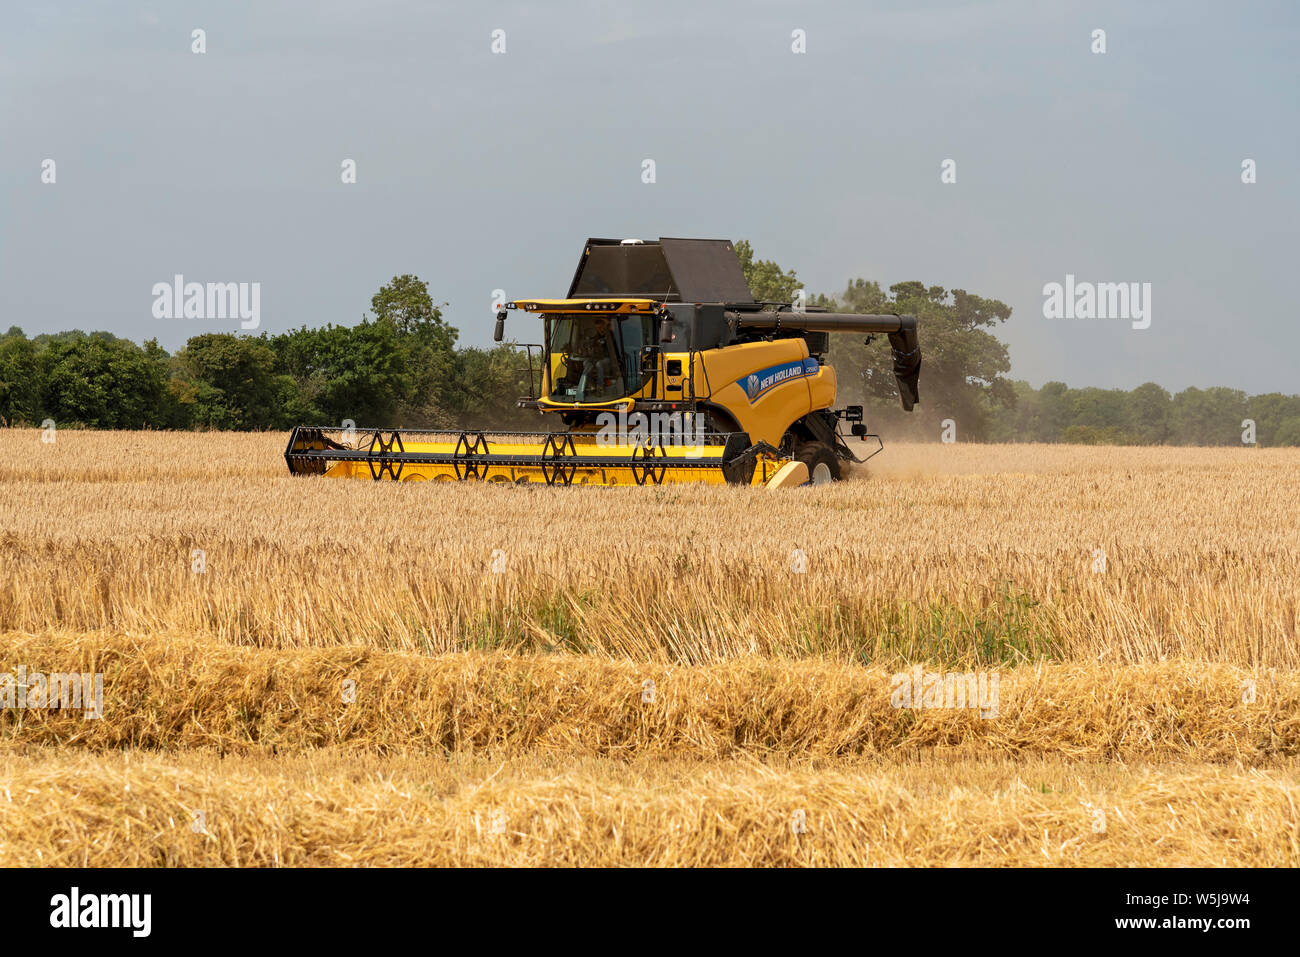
pixel 1147 417
pixel 1057 407
pixel 343 372
pixel 766 279
pixel 21 381
pixel 1021 422
pixel 1104 410
pixel 1208 416
pixel 428 344
pixel 406 303
pixel 101 381
pixel 1270 412
pixel 233 379
pixel 1288 432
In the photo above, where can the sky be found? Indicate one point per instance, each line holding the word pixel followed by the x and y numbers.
pixel 479 170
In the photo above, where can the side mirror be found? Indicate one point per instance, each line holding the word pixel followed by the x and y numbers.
pixel 500 332
pixel 666 329
pixel 650 359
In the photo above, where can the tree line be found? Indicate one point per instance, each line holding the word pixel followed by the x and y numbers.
pixel 400 366
pixel 965 379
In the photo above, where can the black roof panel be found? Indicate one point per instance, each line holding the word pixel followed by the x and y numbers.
pixel 670 270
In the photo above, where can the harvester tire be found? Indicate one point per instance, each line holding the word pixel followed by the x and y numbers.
pixel 823 464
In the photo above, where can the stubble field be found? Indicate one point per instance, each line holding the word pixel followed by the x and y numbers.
pixel 306 671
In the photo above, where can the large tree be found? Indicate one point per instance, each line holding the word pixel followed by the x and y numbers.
pixel 429 346
pixel 21 383
pixel 228 381
pixel 1209 416
pixel 766 279
pixel 102 381
pixel 1148 412
pixel 358 373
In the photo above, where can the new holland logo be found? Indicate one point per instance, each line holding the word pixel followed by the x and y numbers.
pixel 760 383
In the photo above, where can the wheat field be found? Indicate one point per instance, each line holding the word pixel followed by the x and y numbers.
pixel 312 672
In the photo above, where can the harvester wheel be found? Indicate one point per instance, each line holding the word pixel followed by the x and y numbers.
pixel 823 464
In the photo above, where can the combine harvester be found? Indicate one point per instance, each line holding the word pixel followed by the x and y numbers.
pixel 663 369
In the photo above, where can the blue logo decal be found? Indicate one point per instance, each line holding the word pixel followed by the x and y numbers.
pixel 765 380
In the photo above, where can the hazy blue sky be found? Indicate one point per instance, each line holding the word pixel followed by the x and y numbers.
pixel 479 171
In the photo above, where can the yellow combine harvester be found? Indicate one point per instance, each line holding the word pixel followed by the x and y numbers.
pixel 662 368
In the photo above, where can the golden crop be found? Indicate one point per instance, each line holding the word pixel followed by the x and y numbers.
pixel 329 809
pixel 1139 606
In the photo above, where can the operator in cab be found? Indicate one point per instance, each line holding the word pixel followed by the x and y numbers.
pixel 596 351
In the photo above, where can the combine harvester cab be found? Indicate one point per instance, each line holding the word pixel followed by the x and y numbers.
pixel 662 369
